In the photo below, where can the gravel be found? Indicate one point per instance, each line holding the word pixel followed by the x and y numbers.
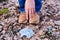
pixel 49 23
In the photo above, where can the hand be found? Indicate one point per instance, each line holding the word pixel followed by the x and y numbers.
pixel 29 8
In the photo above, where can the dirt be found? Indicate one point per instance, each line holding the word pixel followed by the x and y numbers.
pixel 47 29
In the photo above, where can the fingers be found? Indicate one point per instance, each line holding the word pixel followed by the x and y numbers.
pixel 29 8
pixel 30 12
pixel 26 10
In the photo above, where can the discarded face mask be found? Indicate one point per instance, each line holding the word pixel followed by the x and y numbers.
pixel 26 32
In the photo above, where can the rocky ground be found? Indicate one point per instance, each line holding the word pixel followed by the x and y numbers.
pixel 47 29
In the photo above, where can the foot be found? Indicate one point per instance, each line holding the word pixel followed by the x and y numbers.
pixel 34 19
pixel 22 18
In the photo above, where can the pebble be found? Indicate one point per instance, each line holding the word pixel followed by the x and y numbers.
pixel 1 28
pixel 57 22
pixel 46 39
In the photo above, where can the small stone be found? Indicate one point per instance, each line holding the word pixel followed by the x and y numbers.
pixel 15 38
pixel 12 19
pixel 2 23
pixel 3 31
pixel 32 38
pixel 50 23
pixel 37 38
pixel 46 39
pixel 16 4
pixel 58 39
pixel 12 9
pixel 41 32
pixel 57 22
pixel 0 28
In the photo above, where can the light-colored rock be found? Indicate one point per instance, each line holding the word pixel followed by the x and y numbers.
pixel 57 22
pixel 3 31
pixel 15 37
pixel 46 39
pixel 0 28
pixel 12 9
pixel 41 32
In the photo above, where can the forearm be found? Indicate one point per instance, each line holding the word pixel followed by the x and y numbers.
pixel 30 0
